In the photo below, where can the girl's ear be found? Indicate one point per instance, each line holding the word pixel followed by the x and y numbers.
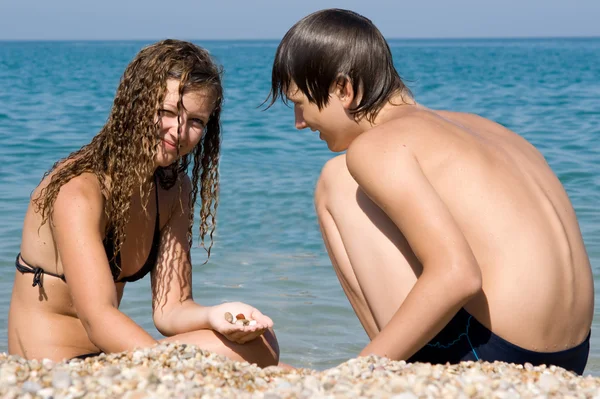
pixel 344 91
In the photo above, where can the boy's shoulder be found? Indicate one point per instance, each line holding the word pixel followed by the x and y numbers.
pixel 402 127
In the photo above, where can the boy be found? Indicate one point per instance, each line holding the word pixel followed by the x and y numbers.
pixel 451 236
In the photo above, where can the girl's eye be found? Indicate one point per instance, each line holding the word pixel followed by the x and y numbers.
pixel 198 122
pixel 165 112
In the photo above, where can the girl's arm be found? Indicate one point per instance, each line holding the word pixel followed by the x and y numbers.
pixel 77 225
pixel 174 310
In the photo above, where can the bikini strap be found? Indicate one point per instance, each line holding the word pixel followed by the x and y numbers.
pixel 36 271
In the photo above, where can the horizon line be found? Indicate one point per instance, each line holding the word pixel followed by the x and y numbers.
pixel 278 39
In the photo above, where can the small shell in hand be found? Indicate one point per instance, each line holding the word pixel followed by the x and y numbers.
pixel 240 319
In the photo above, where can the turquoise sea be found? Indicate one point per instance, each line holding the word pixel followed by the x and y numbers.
pixel 54 96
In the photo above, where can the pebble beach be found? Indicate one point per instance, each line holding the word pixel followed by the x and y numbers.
pixel 184 371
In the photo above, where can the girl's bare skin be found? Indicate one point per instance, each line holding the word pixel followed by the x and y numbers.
pixel 63 319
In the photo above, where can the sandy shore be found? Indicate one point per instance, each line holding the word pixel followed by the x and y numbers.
pixel 180 371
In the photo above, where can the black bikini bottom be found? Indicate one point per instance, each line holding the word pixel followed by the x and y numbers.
pixel 86 355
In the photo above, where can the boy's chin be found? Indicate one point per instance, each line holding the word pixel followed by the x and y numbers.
pixel 336 147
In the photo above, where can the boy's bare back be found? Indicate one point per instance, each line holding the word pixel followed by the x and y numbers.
pixel 537 287
pixel 451 236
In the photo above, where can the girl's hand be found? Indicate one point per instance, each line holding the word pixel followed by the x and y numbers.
pixel 234 332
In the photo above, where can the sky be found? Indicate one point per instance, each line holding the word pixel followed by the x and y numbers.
pixel 270 19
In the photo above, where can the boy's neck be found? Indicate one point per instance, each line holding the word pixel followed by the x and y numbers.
pixel 396 106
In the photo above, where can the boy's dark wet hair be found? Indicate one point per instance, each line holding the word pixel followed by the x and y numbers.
pixel 332 45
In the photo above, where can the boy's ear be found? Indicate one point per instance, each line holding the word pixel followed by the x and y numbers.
pixel 344 91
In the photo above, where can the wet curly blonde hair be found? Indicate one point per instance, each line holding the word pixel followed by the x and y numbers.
pixel 125 148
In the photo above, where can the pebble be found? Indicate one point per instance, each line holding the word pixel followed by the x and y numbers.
pixel 184 371
pixel 239 320
pixel 31 387
pixel 61 379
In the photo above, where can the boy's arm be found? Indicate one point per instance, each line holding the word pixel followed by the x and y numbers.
pixel 389 173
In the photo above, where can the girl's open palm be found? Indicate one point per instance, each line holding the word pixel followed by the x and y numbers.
pixel 236 332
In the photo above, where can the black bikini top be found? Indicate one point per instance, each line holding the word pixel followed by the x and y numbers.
pixel 114 261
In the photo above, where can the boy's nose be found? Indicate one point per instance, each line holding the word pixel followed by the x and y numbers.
pixel 300 123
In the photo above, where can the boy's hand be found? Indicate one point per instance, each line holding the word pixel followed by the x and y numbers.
pixel 235 332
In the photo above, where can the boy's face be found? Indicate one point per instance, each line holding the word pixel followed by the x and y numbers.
pixel 332 121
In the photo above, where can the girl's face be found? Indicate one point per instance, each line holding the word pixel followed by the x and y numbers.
pixel 198 105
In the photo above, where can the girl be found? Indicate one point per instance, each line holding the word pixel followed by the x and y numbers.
pixel 122 207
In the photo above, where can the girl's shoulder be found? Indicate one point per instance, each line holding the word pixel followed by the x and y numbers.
pixel 175 197
pixel 85 185
pixel 181 188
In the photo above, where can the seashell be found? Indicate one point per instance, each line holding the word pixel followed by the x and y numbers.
pixel 240 316
pixel 252 323
pixel 239 322
pixel 229 317
pixel 245 322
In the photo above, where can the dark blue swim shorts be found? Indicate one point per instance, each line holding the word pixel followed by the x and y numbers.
pixel 464 338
